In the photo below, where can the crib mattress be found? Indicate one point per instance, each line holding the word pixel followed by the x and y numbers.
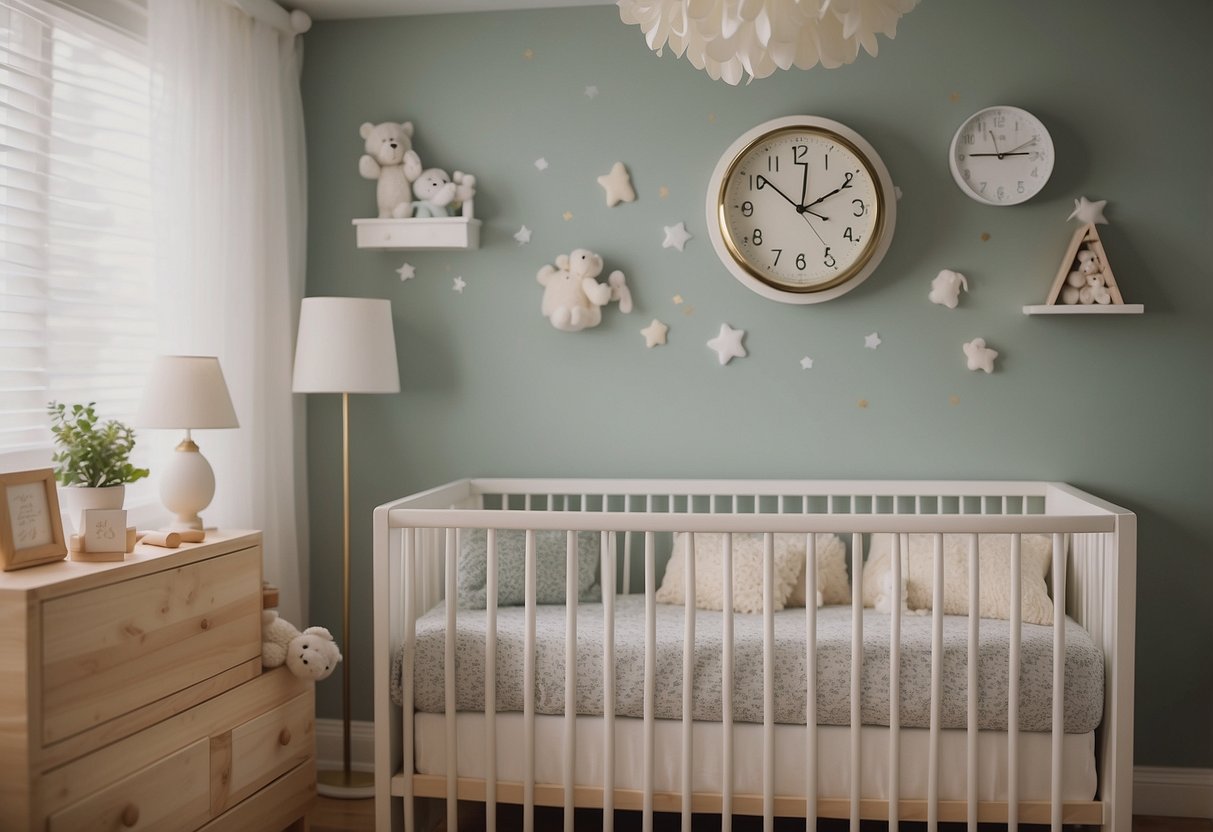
pixel 1083 699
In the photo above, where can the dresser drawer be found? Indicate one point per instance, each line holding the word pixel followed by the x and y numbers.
pixel 114 649
pixel 271 745
pixel 171 794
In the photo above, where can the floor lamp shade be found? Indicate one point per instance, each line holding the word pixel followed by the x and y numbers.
pixel 346 345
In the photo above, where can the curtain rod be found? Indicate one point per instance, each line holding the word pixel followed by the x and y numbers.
pixel 269 12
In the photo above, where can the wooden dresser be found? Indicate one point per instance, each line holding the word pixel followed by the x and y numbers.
pixel 132 697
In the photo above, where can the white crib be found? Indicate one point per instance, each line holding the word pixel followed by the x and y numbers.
pixel 415 555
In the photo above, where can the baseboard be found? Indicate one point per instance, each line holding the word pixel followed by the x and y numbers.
pixel 1173 792
pixel 1169 792
pixel 362 744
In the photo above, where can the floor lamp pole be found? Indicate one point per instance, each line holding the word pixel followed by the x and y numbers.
pixel 345 783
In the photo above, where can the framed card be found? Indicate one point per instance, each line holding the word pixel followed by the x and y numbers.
pixel 30 529
pixel 104 530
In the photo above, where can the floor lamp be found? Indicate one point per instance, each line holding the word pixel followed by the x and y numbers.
pixel 346 345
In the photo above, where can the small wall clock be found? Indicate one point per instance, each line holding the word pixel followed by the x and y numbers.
pixel 1001 156
pixel 801 209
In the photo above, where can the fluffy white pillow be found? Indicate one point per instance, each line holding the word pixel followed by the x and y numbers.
pixel 994 573
pixel 833 582
pixel 747 571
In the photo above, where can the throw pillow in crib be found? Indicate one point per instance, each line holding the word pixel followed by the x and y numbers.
pixel 833 582
pixel 994 573
pixel 747 571
pixel 551 555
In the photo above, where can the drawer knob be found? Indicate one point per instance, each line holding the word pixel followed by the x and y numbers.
pixel 130 815
pixel 206 623
pixel 284 736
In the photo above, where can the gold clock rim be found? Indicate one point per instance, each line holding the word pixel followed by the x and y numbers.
pixel 873 237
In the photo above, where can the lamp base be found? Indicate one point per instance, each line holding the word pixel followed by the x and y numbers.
pixel 187 485
pixel 353 785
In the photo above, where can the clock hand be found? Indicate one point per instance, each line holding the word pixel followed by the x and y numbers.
pixel 764 182
pixel 804 185
pixel 1002 155
pixel 1025 144
pixel 823 198
pixel 814 230
pixel 996 153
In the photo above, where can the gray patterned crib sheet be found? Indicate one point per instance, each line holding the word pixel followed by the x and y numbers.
pixel 1083 675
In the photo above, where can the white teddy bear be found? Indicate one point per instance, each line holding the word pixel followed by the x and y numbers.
pixel 572 298
pixel 437 194
pixel 391 160
pixel 946 287
pixel 311 654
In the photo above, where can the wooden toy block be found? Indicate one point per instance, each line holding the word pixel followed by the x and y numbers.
pixel 167 540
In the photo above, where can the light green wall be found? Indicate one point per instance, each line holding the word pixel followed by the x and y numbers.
pixel 1118 405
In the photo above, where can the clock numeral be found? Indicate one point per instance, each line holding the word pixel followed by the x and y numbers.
pixel 967 138
pixel 967 172
pixel 778 251
pixel 799 152
pixel 829 259
pixel 1036 172
pixel 1001 193
pixel 747 208
pixel 846 182
pixel 1019 187
pixel 981 187
pixel 850 235
pixel 1000 121
pixel 827 160
pixel 800 262
pixel 860 208
pixel 757 236
pixel 773 164
pixel 752 182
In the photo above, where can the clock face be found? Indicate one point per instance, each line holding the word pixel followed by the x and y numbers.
pixel 1001 156
pixel 800 209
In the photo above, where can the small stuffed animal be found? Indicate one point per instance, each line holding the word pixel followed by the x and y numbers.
pixel 945 288
pixel 573 298
pixel 391 160
pixel 1095 290
pixel 1088 262
pixel 436 193
pixel 311 654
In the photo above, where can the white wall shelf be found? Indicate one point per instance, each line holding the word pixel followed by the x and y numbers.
pixel 442 233
pixel 1085 309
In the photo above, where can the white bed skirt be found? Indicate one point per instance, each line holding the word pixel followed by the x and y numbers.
pixel 834 743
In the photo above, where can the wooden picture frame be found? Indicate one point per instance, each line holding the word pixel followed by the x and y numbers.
pixel 31 531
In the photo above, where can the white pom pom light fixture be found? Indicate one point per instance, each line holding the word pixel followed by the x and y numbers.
pixel 732 38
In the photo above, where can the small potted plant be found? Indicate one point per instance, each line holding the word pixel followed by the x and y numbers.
pixel 92 459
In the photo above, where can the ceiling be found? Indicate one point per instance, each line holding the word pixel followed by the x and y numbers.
pixel 341 9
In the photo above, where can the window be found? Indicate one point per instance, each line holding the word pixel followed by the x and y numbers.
pixel 77 301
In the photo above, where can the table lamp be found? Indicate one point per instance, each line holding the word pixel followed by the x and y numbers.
pixel 186 391
pixel 346 345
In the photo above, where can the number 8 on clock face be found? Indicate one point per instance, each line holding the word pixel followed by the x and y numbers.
pixel 800 209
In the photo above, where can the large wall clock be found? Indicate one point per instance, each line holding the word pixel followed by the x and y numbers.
pixel 801 209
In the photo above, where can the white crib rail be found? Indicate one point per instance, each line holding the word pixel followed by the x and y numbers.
pixel 416 550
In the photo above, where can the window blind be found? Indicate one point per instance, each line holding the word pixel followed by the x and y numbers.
pixel 77 301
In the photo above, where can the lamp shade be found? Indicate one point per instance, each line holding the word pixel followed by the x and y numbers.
pixel 186 391
pixel 346 345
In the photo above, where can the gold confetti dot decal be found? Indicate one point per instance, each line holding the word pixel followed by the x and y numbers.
pixel 688 310
pixel 568 215
pixel 663 192
pixel 954 97
pixel 528 54
pixel 953 400
pixel 863 404
pixel 677 299
pixel 985 236
pixel 711 118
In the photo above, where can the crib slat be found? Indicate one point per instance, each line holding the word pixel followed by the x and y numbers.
pixel 627 549
pixel 406 673
pixel 608 679
pixel 972 667
pixel 528 694
pixel 1059 674
pixel 490 686
pixel 452 762
pixel 810 712
pixel 768 682
pixel 726 684
pixel 650 670
pixel 1013 688
pixel 895 683
pixel 856 672
pixel 688 675
pixel 570 676
pixel 936 686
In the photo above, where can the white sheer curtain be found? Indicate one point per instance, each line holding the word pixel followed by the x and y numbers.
pixel 229 180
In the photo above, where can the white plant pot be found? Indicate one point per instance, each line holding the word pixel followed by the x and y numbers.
pixel 77 499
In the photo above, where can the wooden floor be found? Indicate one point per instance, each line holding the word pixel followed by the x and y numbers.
pixel 329 815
